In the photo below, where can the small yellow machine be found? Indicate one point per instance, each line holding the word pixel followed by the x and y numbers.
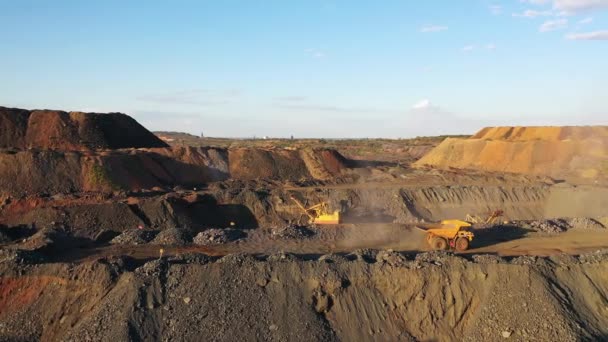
pixel 319 213
pixel 448 234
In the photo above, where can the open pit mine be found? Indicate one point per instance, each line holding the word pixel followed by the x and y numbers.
pixel 109 233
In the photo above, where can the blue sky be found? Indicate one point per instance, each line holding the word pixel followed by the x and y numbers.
pixel 311 68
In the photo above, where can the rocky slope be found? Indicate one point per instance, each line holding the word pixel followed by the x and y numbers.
pixel 560 152
pixel 383 296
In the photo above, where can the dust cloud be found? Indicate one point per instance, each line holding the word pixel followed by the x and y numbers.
pixel 381 236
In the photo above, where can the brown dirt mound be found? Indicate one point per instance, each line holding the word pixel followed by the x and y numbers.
pixel 552 133
pixel 217 236
pixel 323 163
pixel 32 172
pixel 58 130
pixel 173 237
pixel 292 164
pixel 560 152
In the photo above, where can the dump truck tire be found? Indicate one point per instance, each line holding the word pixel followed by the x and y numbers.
pixel 462 244
pixel 439 244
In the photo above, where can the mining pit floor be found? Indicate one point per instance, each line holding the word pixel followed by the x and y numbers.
pixel 348 238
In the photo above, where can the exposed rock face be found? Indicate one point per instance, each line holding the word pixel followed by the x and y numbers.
pixel 577 152
pixel 58 130
pixel 434 297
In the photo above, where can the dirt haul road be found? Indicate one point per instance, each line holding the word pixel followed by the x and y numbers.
pixel 346 240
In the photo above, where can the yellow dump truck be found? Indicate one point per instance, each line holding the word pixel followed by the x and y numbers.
pixel 448 234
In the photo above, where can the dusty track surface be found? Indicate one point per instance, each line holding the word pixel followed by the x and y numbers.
pixel 345 240
pixel 572 242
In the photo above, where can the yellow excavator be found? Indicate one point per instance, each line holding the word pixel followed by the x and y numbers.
pixel 448 234
pixel 319 213
pixel 491 219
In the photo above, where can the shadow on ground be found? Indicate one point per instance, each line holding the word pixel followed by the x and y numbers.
pixel 497 234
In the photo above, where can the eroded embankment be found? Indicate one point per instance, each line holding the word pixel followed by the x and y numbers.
pixel 385 298
pixel 51 172
pixel 43 302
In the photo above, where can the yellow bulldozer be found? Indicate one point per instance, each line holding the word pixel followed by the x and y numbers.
pixel 319 213
pixel 448 234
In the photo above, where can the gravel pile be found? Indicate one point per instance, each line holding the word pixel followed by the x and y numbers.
pixel 391 257
pixel 217 236
pixel 585 223
pixel 549 226
pixel 524 260
pixel 488 259
pixel 134 237
pixel 191 258
pixel 365 254
pixel 291 232
pixel 554 226
pixel 435 257
pixel 281 256
pixel 152 268
pixel 596 257
pixel 172 236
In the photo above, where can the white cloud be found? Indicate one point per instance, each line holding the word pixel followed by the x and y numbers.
pixel 586 21
pixel 422 105
pixel 315 53
pixel 596 35
pixel 491 46
pixel 565 7
pixel 535 2
pixel 574 6
pixel 533 14
pixel 552 25
pixel 468 48
pixel 496 9
pixel 433 28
